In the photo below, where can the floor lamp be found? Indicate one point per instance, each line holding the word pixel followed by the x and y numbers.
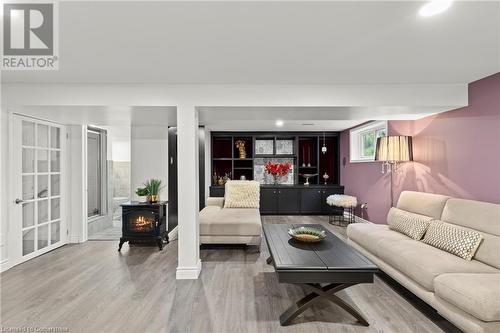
pixel 392 150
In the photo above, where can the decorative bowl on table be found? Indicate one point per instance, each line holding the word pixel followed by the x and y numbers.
pixel 307 234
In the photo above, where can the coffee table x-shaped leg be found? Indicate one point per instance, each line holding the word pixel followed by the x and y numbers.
pixel 319 293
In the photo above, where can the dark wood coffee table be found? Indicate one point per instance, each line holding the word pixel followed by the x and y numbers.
pixel 325 268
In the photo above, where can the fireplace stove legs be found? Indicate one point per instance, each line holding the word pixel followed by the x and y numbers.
pixel 121 244
pixel 159 242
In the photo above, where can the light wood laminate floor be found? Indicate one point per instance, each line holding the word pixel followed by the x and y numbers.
pixel 91 287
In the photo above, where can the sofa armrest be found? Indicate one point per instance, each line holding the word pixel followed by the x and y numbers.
pixel 213 201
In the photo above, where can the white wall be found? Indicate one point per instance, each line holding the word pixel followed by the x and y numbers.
pixel 76 184
pixel 149 157
pixel 4 188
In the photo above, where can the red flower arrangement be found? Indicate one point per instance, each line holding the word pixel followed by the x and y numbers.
pixel 278 169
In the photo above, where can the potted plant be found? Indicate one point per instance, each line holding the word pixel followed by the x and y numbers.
pixel 141 192
pixel 153 186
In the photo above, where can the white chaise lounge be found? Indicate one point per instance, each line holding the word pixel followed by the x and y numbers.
pixel 234 219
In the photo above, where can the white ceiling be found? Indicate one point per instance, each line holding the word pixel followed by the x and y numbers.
pixel 147 116
pixel 332 42
pixel 303 118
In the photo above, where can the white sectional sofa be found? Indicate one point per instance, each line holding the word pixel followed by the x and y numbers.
pixel 467 293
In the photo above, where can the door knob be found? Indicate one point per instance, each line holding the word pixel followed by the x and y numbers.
pixel 18 201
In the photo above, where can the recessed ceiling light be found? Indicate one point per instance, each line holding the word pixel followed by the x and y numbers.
pixel 434 7
pixel 280 123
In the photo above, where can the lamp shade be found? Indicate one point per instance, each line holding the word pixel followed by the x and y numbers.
pixel 394 149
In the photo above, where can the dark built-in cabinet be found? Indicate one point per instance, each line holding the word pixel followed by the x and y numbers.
pixel 305 154
pixel 303 149
pixel 292 200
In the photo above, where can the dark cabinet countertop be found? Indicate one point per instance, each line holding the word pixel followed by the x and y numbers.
pixel 291 186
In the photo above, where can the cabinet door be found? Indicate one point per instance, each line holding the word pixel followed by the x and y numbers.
pixel 325 208
pixel 217 191
pixel 288 201
pixel 268 201
pixel 310 201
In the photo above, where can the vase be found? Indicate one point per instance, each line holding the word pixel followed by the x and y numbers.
pixel 153 198
pixel 276 179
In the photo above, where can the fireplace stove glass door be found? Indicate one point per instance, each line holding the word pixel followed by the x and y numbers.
pixel 142 222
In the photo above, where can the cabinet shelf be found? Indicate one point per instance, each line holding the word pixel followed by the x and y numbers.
pixel 275 156
pixel 306 148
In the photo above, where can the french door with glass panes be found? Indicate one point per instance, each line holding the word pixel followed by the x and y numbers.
pixel 39 222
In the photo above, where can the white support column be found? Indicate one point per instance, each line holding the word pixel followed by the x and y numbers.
pixel 189 263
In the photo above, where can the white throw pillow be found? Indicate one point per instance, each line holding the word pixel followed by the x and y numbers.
pixel 410 224
pixel 242 194
pixel 453 239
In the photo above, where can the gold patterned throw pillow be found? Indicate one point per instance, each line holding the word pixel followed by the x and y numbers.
pixel 447 237
pixel 410 224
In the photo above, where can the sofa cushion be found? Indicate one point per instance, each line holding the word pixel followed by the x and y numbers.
pixel 410 224
pixel 453 239
pixel 242 194
pixel 422 203
pixel 477 294
pixel 479 216
pixel 369 235
pixel 423 263
pixel 230 221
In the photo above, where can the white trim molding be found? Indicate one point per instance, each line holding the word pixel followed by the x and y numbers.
pixel 4 265
pixel 172 235
pixel 188 273
pixel 355 140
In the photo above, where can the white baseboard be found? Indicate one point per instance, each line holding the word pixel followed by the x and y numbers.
pixel 172 235
pixel 72 239
pixel 188 273
pixel 4 265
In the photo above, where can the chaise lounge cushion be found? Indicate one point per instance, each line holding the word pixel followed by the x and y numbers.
pixel 215 221
pixel 477 294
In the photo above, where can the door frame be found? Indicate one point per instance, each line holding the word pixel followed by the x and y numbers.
pixel 14 256
pixel 108 213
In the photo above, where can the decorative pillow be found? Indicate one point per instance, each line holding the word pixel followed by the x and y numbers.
pixel 410 224
pixel 460 242
pixel 242 194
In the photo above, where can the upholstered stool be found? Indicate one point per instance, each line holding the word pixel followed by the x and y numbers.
pixel 347 203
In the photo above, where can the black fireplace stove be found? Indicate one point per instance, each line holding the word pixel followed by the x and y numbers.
pixel 144 222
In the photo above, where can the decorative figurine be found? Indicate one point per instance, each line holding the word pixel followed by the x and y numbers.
pixel 325 177
pixel 240 144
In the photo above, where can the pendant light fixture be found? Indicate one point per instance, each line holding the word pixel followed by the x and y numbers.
pixel 323 149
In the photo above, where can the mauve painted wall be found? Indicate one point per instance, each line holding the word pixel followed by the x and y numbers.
pixel 456 153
